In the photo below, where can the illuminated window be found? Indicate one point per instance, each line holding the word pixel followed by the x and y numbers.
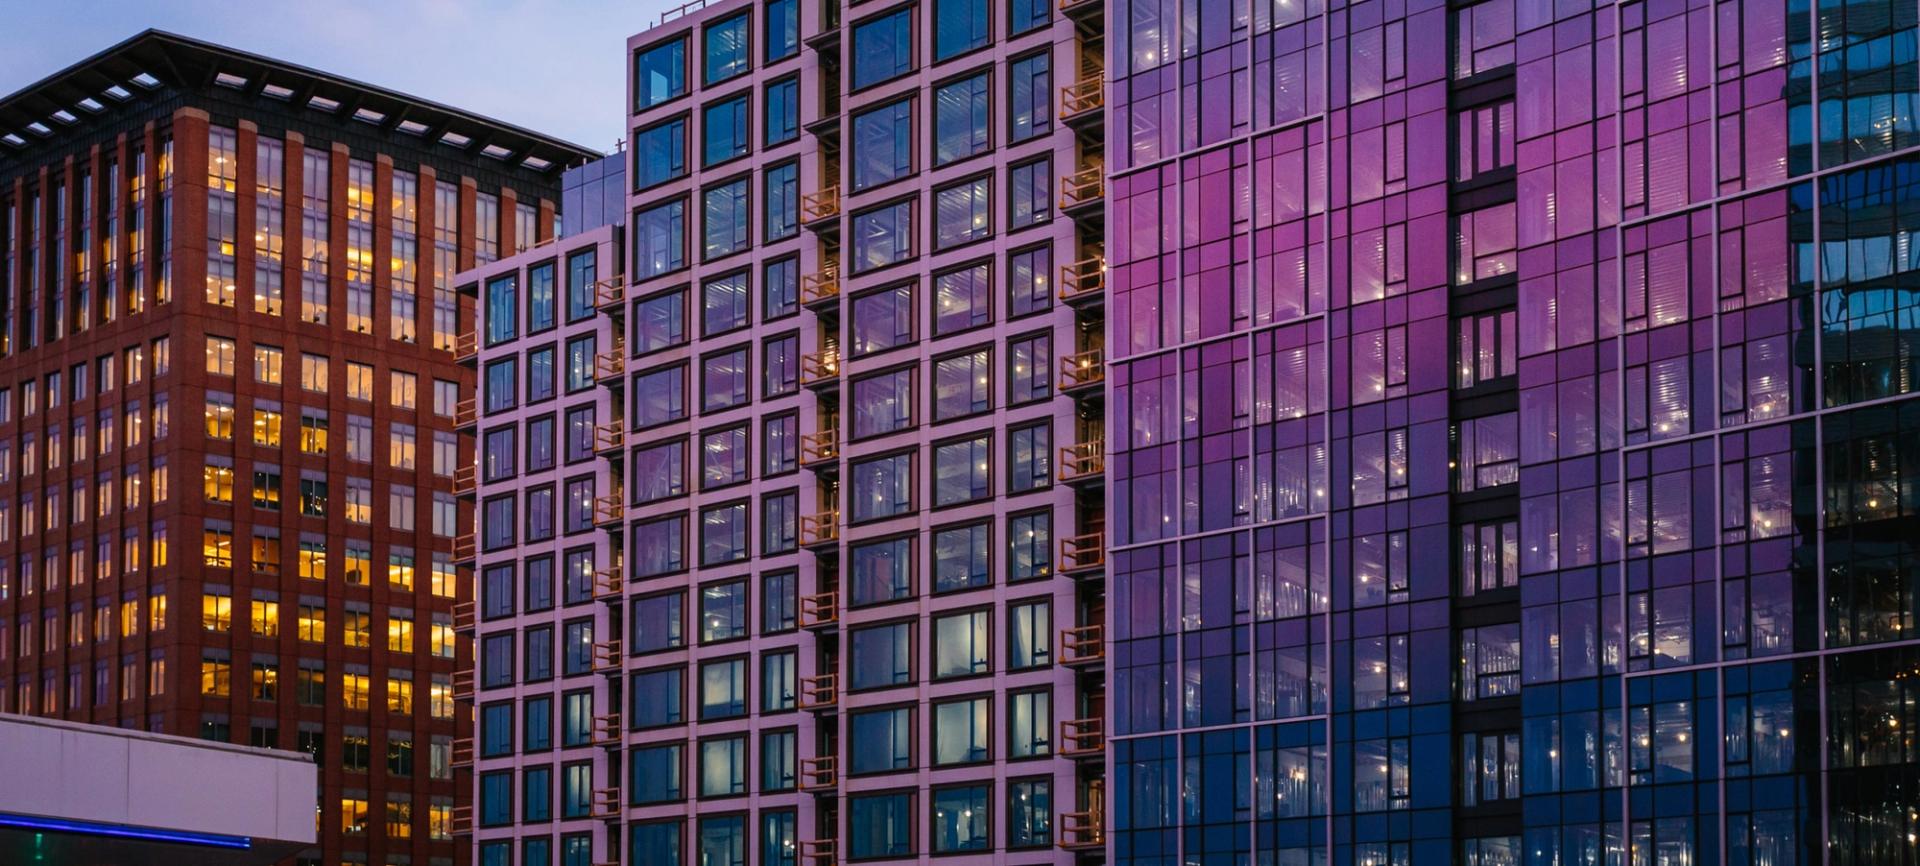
pixel 216 610
pixel 220 356
pixel 266 618
pixel 353 691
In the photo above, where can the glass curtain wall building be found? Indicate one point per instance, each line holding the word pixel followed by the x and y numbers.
pixel 1514 454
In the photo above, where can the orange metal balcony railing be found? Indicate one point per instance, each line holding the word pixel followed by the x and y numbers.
pixel 463 751
pixel 821 285
pixel 819 692
pixel 606 803
pixel 463 616
pixel 462 823
pixel 1083 96
pixel 606 729
pixel 466 412
pixel 822 528
pixel 1080 738
pixel 820 851
pixel 466 345
pixel 818 448
pixel 607 584
pixel 466 479
pixel 608 438
pixel 1083 552
pixel 821 205
pixel 1083 644
pixel 463 685
pixel 610 293
pixel 464 548
pixel 819 610
pixel 1086 828
pixel 1083 187
pixel 608 510
pixel 820 367
pixel 1082 370
pixel 607 656
pixel 608 365
pixel 1084 279
pixel 819 774
pixel 1083 461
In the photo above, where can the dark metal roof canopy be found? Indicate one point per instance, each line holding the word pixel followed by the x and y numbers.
pixel 155 59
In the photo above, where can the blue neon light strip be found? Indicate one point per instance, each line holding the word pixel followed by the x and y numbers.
pixel 122 831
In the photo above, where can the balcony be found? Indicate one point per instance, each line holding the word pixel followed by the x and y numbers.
pixel 463 751
pixel 820 692
pixel 466 414
pixel 1084 13
pixel 462 823
pixel 463 618
pixel 819 774
pixel 463 685
pixel 820 369
pixel 607 657
pixel 608 511
pixel 1085 464
pixel 465 550
pixel 1083 192
pixel 820 288
pixel 820 450
pixel 610 295
pixel 466 347
pixel 1083 646
pixel 607 585
pixel 1086 829
pixel 821 851
pixel 1082 371
pixel 820 611
pixel 607 730
pixel 610 364
pixel 1083 738
pixel 1084 283
pixel 1081 102
pixel 606 803
pixel 821 529
pixel 1083 553
pixel 609 439
pixel 820 210
pixel 466 481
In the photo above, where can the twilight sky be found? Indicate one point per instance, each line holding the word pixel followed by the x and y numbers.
pixel 553 66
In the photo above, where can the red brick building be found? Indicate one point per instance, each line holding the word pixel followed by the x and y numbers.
pixel 228 329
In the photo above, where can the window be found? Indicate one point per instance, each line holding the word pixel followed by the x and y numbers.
pixel 659 472
pixel 723 457
pixel 885 738
pixel 780 444
pixel 1029 635
pixel 780 288
pixel 962 385
pixel 779 760
pixel 725 224
pixel 723 767
pixel 503 308
pixel 882 403
pixel 960 818
pixel 1029 457
pixel 882 48
pixel 960 646
pixel 883 235
pixel 960 119
pixel 880 487
pixel 660 546
pixel 723 534
pixel 723 304
pixel 1489 767
pixel 657 774
pixel 726 49
pixel 960 732
pixel 1489 661
pixel 659 396
pixel 1489 556
pixel 659 321
pixel 723 380
pixel 882 144
pixel 659 74
pixel 880 571
pixel 882 320
pixel 1029 362
pixel 723 689
pixel 1029 193
pixel 780 366
pixel 1484 347
pixel 1486 452
pixel 962 557
pixel 1485 139
pixel 1029 545
pixel 881 656
pixel 961 471
pixel 1483 38
pixel 1029 809
pixel 660 239
pixel 220 351
pixel 778 681
pixel 886 822
pixel 659 153
pixel 723 128
pixel 723 611
pixel 778 602
pixel 583 270
pixel 959 26
pixel 1484 244
pixel 781 201
pixel 781 103
pixel 963 213
pixel 1030 108
pixel 1029 280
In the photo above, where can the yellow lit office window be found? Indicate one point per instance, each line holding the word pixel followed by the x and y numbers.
pixel 266 427
pixel 216 677
pixel 219 420
pixel 219 483
pixel 440 821
pixel 400 571
pixel 160 552
pixel 313 623
pixel 359 631
pixel 266 681
pixel 353 691
pixel 441 639
pixel 400 696
pixel 444 580
pixel 313 435
pixel 399 816
pixel 216 612
pixel 216 547
pixel 157 676
pixel 130 617
pixel 399 634
pixel 313 560
pixel 156 612
pixel 353 815
pixel 266 618
pixel 440 697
